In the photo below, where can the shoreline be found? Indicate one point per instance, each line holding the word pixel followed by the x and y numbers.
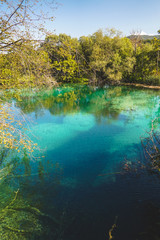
pixel 141 85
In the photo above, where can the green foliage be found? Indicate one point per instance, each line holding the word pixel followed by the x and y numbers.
pixel 145 62
pixel 63 52
pixel 20 55
pixel 153 80
pixel 146 68
pixel 104 56
pixel 99 56
pixel 109 57
pixel 25 66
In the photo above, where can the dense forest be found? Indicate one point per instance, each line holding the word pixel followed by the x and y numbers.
pixel 104 56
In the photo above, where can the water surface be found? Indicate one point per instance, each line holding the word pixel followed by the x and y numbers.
pixel 86 135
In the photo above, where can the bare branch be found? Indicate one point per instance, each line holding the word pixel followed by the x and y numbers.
pixel 19 6
pixel 9 44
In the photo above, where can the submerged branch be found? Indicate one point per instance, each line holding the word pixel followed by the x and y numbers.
pixel 112 228
pixel 151 145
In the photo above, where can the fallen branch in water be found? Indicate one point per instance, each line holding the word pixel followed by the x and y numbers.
pixel 4 210
pixel 21 211
pixel 36 212
pixel 112 228
pixel 141 85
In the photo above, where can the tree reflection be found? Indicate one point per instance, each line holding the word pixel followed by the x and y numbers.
pixel 103 103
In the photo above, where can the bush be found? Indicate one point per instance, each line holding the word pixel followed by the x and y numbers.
pixel 152 80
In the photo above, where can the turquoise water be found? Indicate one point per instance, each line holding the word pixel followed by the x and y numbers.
pixel 85 135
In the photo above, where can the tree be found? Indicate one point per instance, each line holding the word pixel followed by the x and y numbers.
pixel 21 59
pixel 136 39
pixel 157 49
pixel 19 56
pixel 19 19
pixel 26 66
pixel 110 56
pixel 145 64
pixel 11 133
pixel 65 56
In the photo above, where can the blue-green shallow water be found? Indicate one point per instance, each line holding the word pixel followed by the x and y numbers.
pixel 86 134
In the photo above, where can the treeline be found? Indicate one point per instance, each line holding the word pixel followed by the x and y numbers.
pixel 100 57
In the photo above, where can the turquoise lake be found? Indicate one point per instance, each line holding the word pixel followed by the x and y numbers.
pixel 77 177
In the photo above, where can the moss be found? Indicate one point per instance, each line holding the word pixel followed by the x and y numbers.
pixel 19 220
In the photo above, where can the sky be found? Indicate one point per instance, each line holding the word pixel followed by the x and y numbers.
pixel 83 17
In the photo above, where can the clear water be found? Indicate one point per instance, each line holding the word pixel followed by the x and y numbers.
pixel 85 136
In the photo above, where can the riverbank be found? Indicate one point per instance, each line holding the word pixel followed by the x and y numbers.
pixel 141 85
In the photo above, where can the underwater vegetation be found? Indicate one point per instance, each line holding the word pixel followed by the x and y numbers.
pixel 19 220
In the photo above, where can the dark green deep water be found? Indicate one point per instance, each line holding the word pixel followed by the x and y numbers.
pixel 80 184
